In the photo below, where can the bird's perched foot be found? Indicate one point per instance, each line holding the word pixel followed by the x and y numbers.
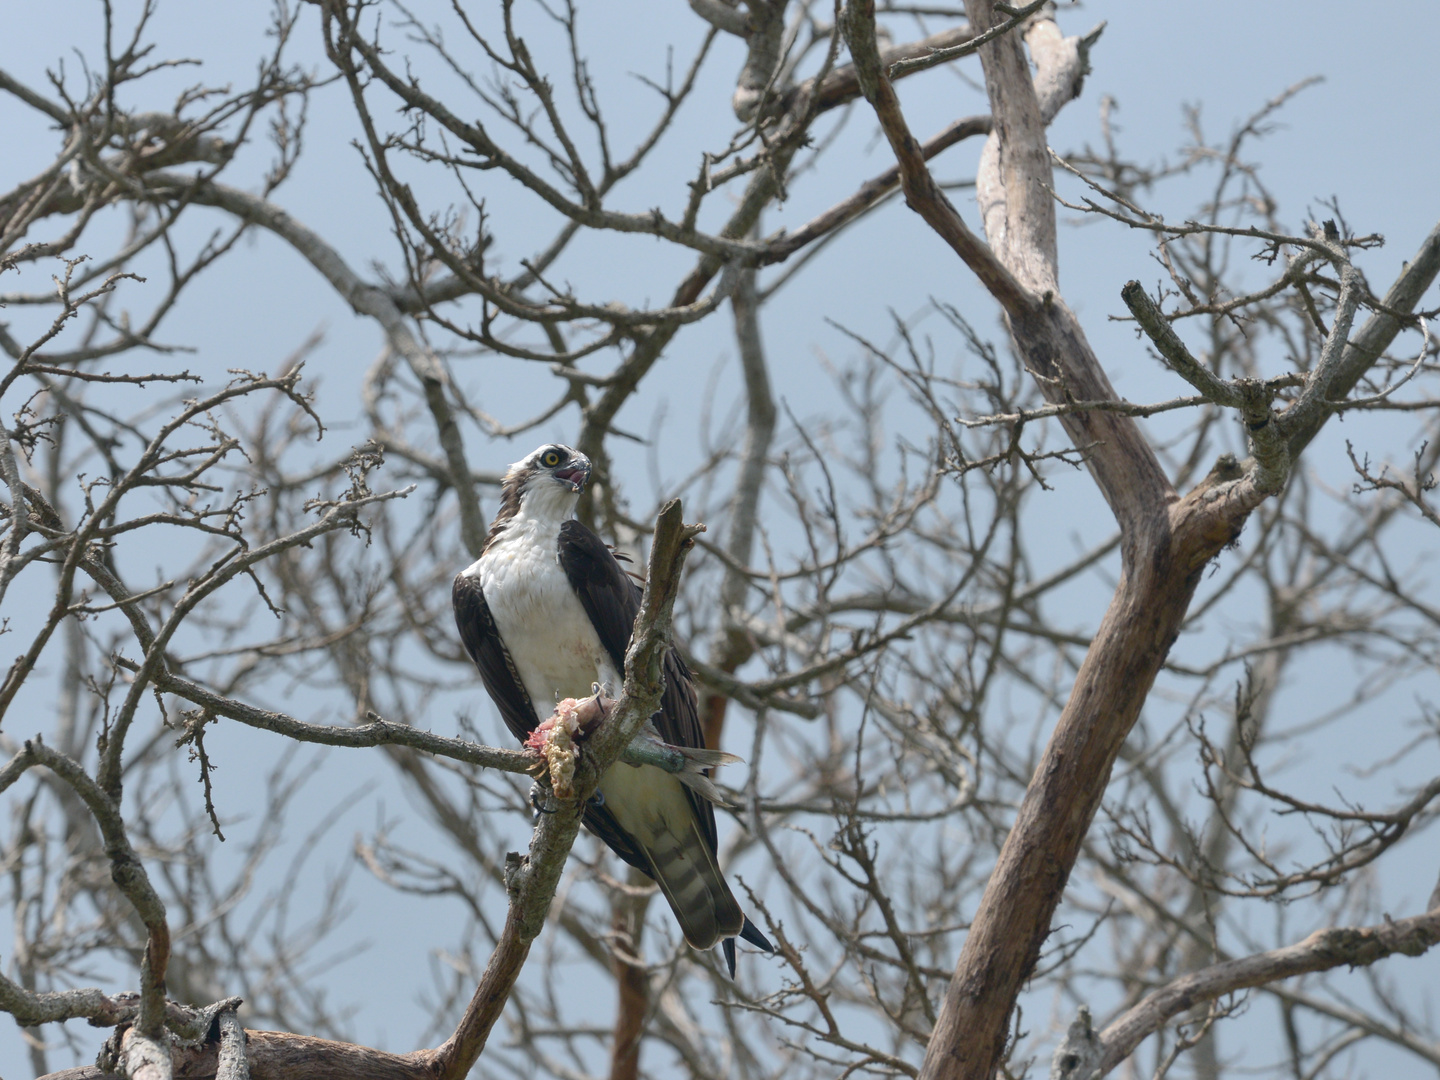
pixel 540 799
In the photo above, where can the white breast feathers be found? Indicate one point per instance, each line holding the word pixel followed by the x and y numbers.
pixel 542 622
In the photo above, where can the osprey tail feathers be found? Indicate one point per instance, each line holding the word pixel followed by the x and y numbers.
pixel 685 869
pixel 652 809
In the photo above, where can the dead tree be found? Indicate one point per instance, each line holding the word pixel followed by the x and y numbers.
pixel 970 795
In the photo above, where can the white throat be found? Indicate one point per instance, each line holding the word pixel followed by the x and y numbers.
pixel 545 505
pixel 547 501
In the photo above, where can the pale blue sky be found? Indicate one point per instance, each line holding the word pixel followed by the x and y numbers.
pixel 1368 135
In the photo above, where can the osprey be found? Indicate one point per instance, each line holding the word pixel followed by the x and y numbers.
pixel 546 613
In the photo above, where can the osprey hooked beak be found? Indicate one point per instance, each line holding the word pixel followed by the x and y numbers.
pixel 575 475
pixel 570 467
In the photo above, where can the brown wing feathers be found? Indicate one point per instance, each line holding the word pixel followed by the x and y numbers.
pixel 611 598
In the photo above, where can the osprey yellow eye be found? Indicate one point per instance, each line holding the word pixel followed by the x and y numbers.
pixel 550 458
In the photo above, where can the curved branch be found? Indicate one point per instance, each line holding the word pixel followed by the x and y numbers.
pixel 1322 950
pixel 126 870
pixel 922 194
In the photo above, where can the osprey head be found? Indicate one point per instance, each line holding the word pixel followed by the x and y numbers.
pixel 545 482
pixel 553 462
